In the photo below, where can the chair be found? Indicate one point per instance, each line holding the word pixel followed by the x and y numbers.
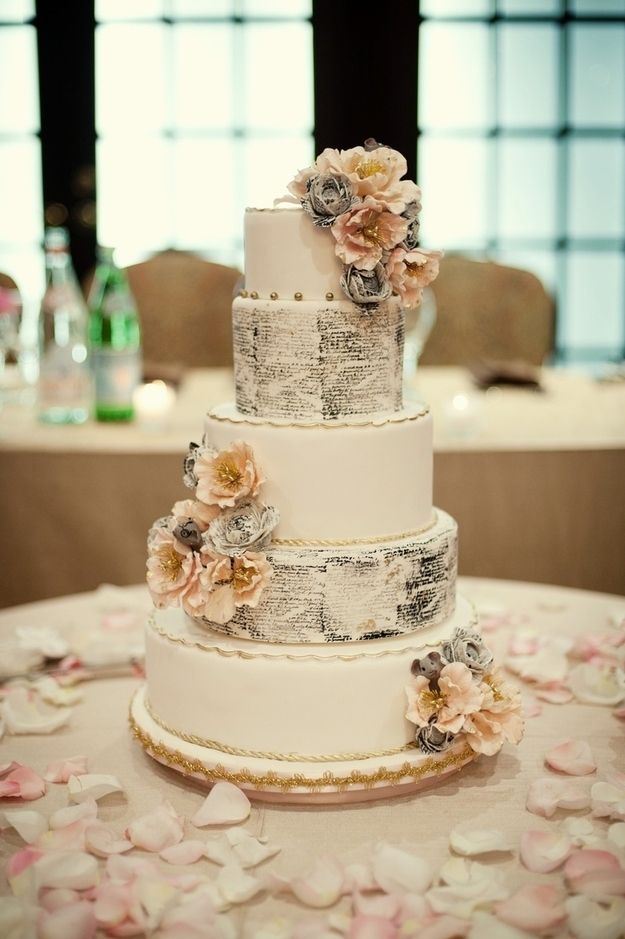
pixel 486 310
pixel 185 307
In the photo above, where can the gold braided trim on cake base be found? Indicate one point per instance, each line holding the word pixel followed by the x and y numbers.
pixel 268 755
pixel 340 542
pixel 271 780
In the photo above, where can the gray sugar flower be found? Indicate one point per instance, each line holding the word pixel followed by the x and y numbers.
pixel 432 740
pixel 412 210
pixel 411 241
pixel 469 648
pixel 366 288
pixel 246 527
pixel 328 195
pixel 189 534
pixel 195 450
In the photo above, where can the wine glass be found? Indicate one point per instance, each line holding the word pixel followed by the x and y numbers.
pixel 419 323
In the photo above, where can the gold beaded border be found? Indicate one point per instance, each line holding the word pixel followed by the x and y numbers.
pixel 304 657
pixel 401 417
pixel 272 780
pixel 269 755
pixel 339 542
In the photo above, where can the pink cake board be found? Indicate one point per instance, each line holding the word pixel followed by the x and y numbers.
pixel 208 766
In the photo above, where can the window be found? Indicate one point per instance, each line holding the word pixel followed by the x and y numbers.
pixel 522 150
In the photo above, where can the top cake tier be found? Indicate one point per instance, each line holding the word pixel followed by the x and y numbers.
pixel 302 349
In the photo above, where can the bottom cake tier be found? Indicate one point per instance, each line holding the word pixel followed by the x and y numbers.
pixel 322 723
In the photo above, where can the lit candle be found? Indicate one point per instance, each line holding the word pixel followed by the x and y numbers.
pixel 153 403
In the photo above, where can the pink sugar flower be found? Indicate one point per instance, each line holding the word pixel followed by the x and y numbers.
pixel 457 697
pixel 226 477
pixel 230 583
pixel 410 271
pixel 197 511
pixel 365 232
pixel 498 719
pixel 172 569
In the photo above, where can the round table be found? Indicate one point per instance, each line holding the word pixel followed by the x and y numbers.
pixel 491 793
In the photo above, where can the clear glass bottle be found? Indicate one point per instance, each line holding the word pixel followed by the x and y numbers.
pixel 64 384
pixel 114 341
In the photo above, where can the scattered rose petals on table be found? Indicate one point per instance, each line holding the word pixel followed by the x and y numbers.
pixel 573 757
pixel 185 852
pixel 547 794
pixel 479 841
pixel 536 908
pixel 235 885
pixel 23 713
pixel 322 885
pixel 102 842
pixel 74 869
pixel 225 804
pixel 21 782
pixel 92 786
pixel 249 850
pixel 52 692
pixel 486 926
pixel 88 808
pixel 608 800
pixel 59 771
pixel 74 921
pixel 159 829
pixel 591 920
pixel 398 871
pixel 29 825
pixel 544 851
pixel 467 886
pixel 596 874
pixel 597 684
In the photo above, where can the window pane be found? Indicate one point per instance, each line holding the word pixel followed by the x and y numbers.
pixel 455 76
pixel 20 190
pixel 540 263
pixel 203 76
pixel 453 176
pixel 282 8
pixel 134 205
pixel 271 164
pixel 593 301
pixel 456 7
pixel 19 110
pixel 131 88
pixel 596 191
pixel 17 11
pixel 129 9
pixel 533 7
pixel 597 7
pixel 527 192
pixel 277 76
pixel 528 61
pixel 206 214
pixel 597 75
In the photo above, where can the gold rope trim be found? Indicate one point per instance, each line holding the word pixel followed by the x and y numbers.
pixel 297 781
pixel 304 657
pixel 398 418
pixel 268 755
pixel 373 540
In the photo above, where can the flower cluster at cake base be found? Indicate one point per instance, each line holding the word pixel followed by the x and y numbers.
pixel 459 692
pixel 207 555
pixel 373 214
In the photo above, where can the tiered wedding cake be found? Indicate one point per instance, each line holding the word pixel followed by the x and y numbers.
pixel 307 642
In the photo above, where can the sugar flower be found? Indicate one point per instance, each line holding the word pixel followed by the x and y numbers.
pixel 410 271
pixel 231 582
pixel 197 511
pixel 498 719
pixel 243 528
pixel 227 476
pixel 172 568
pixel 327 197
pixel 447 706
pixel 469 648
pixel 366 288
pixel 366 232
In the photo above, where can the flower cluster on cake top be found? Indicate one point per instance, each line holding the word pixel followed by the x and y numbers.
pixel 207 555
pixel 459 692
pixel 373 215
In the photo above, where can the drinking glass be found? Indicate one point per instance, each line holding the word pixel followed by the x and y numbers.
pixel 419 324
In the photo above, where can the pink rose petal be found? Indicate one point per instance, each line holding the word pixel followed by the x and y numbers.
pixel 322 885
pixel 486 926
pixel 595 873
pixel 59 771
pixel 555 693
pixel 534 907
pixel 53 898
pixel 364 926
pixel 21 861
pixel 71 814
pixel 544 851
pixel 590 920
pixel 69 838
pixel 159 829
pixel 22 783
pixel 186 852
pixel 195 918
pixel 225 804
pixel 386 905
pixel 444 927
pixel 8 767
pixel 75 921
pixel 29 825
pixel 573 757
pixel 547 794
pixel 532 708
pixel 396 870
pixel 102 842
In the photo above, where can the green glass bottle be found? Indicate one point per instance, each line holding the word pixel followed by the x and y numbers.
pixel 114 341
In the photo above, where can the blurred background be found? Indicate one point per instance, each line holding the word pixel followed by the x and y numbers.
pixel 151 124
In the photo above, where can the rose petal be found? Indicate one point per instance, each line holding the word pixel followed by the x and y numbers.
pixel 53 898
pixel 444 926
pixel 547 794
pixel 322 885
pixel 59 771
pixel 219 851
pixel 62 817
pixel 468 886
pixel 74 869
pixel 593 684
pixel 75 921
pixel 22 783
pixel 28 824
pixel 581 831
pixel 590 920
pixel 235 885
pixel 102 842
pixel 536 908
pixel 248 849
pixel 487 926
pixel 225 804
pixel 395 870
pixel 186 852
pixel 554 694
pixel 52 692
pixel 155 895
pixel 479 841
pixel 386 905
pixel 573 757
pixel 608 801
pixel 159 829
pixel 18 865
pixel 364 926
pixel 544 851
pixel 69 838
pixel 595 873
pixel 22 714
pixel 359 878
pixel 195 918
pixel 532 708
pixel 549 664
pixel 18 918
pixel 616 834
pixel 92 786
pixel 112 903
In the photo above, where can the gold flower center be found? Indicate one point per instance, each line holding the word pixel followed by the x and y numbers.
pixel 369 168
pixel 498 694
pixel 432 700
pixel 412 269
pixel 243 577
pixel 371 232
pixel 170 562
pixel 228 474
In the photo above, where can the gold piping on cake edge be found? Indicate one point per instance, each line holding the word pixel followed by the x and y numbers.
pixel 304 657
pixel 297 781
pixel 268 755
pixel 340 542
pixel 326 425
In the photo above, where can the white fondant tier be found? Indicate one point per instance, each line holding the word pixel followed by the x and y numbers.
pixel 286 703
pixel 331 593
pixel 286 254
pixel 367 479
pixel 317 360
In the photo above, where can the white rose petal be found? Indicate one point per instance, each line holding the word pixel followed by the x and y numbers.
pixel 92 786
pixel 573 757
pixel 248 849
pixel 322 885
pixel 597 684
pixel 29 825
pixel 156 830
pixel 468 886
pixel 22 713
pixel 395 870
pixel 88 808
pixel 74 869
pixel 43 639
pixel 479 841
pixel 18 918
pixel 236 886
pixel 486 926
pixel 544 851
pixel 590 920
pixel 225 804
pixel 185 852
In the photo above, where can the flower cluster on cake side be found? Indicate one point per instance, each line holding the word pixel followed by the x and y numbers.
pixel 373 215
pixel 459 692
pixel 207 555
